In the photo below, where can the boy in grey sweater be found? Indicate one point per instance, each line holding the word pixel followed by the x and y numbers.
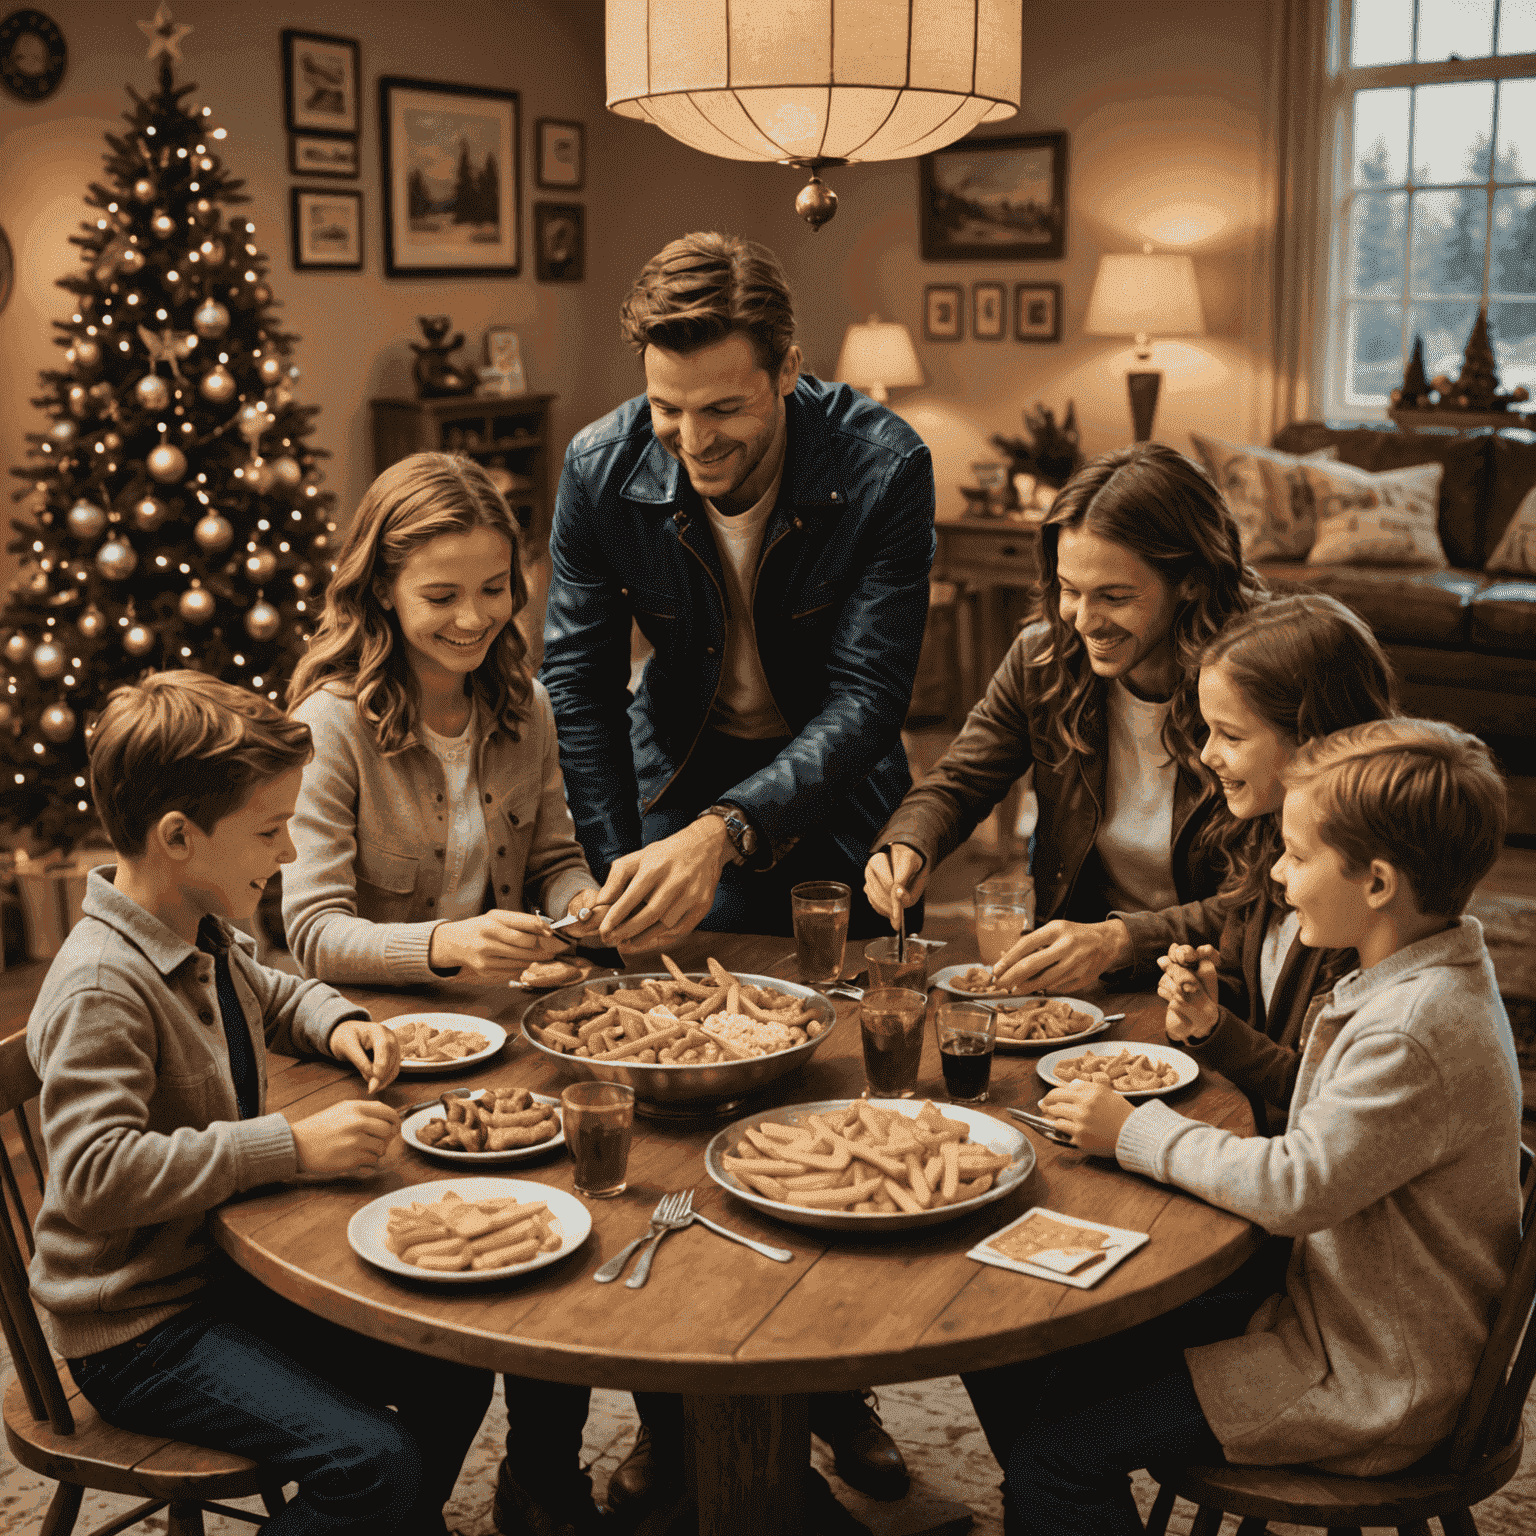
pixel 150 1037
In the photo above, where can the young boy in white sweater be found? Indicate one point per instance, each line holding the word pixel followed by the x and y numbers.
pixel 150 1036
pixel 1397 1177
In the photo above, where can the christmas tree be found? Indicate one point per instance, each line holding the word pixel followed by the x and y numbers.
pixel 173 510
pixel 1477 386
pixel 1414 390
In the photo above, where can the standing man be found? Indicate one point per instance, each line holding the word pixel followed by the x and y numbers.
pixel 772 537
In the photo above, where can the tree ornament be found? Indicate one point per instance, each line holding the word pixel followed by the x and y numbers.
pixel 213 252
pixel 270 369
pixel 6 714
pixel 144 189
pixel 163 225
pixel 63 432
pixel 167 464
pixel 213 533
pixel 164 34
pixel 86 520
pixel 260 564
pixel 139 641
pixel 287 473
pixel 111 441
pixel 87 353
pixel 58 722
pixel 196 605
pixel 79 400
pixel 255 418
pixel 18 648
pixel 152 392
pixel 167 347
pixel 131 261
pixel 203 209
pixel 38 586
pixel 301 581
pixel 48 660
pixel 101 393
pixel 261 293
pixel 218 385
pixel 211 319
pixel 258 476
pixel 92 624
pixel 148 514
pixel 263 621
pixel 116 558
pixel 320 543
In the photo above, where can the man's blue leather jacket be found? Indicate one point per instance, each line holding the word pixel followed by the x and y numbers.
pixel 839 607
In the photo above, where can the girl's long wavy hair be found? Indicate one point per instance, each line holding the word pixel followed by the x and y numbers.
pixel 358 642
pixel 1307 666
pixel 1167 512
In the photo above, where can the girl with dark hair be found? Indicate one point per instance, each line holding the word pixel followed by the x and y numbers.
pixel 1140 568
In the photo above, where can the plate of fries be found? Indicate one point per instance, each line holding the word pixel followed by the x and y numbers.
pixel 1147 1071
pixel 974 980
pixel 1042 1023
pixel 489 1126
pixel 447 1041
pixel 462 1231
pixel 682 1040
pixel 856 1165
pixel 546 975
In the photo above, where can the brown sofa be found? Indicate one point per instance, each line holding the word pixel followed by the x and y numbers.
pixel 1463 639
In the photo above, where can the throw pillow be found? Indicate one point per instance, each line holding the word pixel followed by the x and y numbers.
pixel 1366 519
pixel 1517 549
pixel 1273 515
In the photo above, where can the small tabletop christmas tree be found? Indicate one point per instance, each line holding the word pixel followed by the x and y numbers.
pixel 1477 386
pixel 174 516
pixel 1414 390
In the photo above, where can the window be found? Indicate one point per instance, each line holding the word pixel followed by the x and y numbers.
pixel 1433 211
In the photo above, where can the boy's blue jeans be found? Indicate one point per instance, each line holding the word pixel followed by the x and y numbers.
pixel 245 1371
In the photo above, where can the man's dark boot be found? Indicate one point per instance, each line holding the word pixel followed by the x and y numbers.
pixel 537 1505
pixel 865 1455
pixel 648 1479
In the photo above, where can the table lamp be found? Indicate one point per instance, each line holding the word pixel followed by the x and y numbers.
pixel 877 357
pixel 1135 296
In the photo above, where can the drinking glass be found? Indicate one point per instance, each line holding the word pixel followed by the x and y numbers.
pixel 967 1033
pixel 891 1025
pixel 599 1118
pixel 885 970
pixel 820 912
pixel 1005 908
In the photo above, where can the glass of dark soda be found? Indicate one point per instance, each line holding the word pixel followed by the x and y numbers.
pixel 891 1025
pixel 599 1118
pixel 967 1034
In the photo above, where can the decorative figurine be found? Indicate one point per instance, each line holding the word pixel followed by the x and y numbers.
pixel 435 375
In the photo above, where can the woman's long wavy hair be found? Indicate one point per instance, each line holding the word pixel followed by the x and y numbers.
pixel 1167 512
pixel 1307 666
pixel 358 643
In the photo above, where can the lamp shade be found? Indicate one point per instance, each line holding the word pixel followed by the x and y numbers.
pixel 878 356
pixel 1145 293
pixel 775 80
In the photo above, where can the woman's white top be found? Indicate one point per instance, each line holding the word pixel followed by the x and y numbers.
pixel 1278 938
pixel 1135 836
pixel 467 856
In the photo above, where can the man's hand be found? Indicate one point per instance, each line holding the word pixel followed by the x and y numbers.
pixel 662 892
pixel 1188 986
pixel 895 880
pixel 588 925
pixel 1064 958
pixel 346 1137
pixel 494 946
pixel 372 1047
pixel 1091 1113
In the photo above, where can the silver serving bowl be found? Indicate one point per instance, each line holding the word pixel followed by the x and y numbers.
pixel 716 1088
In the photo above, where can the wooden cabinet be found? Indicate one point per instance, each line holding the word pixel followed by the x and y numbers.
pixel 995 565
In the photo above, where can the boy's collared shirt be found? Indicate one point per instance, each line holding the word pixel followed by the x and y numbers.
pixel 139 1111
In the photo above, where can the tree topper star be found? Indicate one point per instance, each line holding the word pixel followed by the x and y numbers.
pixel 164 34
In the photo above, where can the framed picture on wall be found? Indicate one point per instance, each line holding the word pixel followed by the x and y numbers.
pixel 560 242
pixel 320 76
pixel 942 306
pixel 1037 312
pixel 451 189
pixel 560 154
pixel 995 199
pixel 989 311
pixel 327 228
pixel 314 154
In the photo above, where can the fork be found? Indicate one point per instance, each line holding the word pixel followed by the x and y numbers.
pixel 678 1214
pixel 615 1266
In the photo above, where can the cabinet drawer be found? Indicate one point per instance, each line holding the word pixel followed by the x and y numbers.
pixel 1004 558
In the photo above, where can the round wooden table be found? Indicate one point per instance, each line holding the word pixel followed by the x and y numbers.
pixel 741 1337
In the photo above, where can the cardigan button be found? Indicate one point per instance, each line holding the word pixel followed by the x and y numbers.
pixel 439 799
pixel 206 1015
pixel 505 889
pixel 487 797
pixel 438 852
pixel 501 852
pixel 431 901
pixel 512 817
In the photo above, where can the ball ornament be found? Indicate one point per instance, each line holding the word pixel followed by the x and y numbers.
pixel 131 261
pixel 18 648
pixel 167 464
pixel 260 564
pixel 116 560
pixel 92 624
pixel 48 660
pixel 86 520
pixel 218 385
pixel 213 533
pixel 163 225
pixel 302 581
pixel 143 189
pixel 139 641
pixel 287 473
pixel 210 319
pixel 196 605
pixel 87 352
pixel 63 432
pixel 263 621
pixel 79 399
pixel 152 392
pixel 270 369
pixel 262 293
pixel 149 513
pixel 58 722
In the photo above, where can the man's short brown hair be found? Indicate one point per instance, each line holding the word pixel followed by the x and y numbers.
pixel 1420 794
pixel 183 741
pixel 704 286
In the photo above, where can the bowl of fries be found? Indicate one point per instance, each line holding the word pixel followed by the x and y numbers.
pixel 865 1165
pixel 688 1043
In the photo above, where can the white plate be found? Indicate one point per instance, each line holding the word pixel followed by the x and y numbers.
pixel 1097 1028
pixel 1188 1067
pixel 984 1130
pixel 945 979
pixel 366 1230
pixel 422 1117
pixel 462 1023
pixel 589 968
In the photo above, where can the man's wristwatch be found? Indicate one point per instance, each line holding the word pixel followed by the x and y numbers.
pixel 740 831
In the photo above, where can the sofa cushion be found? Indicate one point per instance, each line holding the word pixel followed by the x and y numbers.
pixel 1373 519
pixel 1504 618
pixel 1273 513
pixel 1409 607
pixel 1516 550
pixel 1514 477
pixel 1467 457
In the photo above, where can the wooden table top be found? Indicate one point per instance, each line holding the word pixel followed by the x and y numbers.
pixel 849 1311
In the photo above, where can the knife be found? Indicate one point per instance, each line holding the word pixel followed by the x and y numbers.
pixel 1047 1128
pixel 452 1093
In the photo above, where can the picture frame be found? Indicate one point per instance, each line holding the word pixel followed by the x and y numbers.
pixel 321 76
pixel 989 311
pixel 997 198
pixel 560 154
pixel 439 222
pixel 326 225
pixel 1037 312
pixel 560 242
pixel 33 55
pixel 943 311
pixel 318 154
pixel 503 373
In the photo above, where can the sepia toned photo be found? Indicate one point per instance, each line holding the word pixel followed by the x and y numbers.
pixel 320 83
pixel 991 199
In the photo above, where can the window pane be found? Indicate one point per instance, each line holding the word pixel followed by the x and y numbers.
pixel 1381 137
pixel 1383 32
pixel 1513 327
pixel 1374 347
pixel 1461 27
pixel 1450 232
pixel 1452 126
pixel 1517 26
pixel 1378 226
pixel 1445 328
pixel 1516 158
pixel 1513 268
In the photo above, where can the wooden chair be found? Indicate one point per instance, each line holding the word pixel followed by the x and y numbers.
pixel 1482 1454
pixel 49 1426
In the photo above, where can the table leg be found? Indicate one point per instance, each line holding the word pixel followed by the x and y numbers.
pixel 749 1456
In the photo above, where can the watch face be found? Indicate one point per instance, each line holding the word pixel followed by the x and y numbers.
pixel 32 55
